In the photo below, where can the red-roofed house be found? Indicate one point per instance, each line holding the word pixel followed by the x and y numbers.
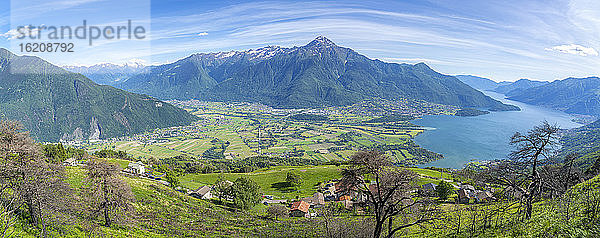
pixel 345 197
pixel 299 209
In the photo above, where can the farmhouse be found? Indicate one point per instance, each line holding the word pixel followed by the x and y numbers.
pixel 345 197
pixel 349 205
pixel 299 209
pixel 202 192
pixel 465 195
pixel 136 168
pixel 70 162
pixel 484 196
pixel 317 200
pixel 428 189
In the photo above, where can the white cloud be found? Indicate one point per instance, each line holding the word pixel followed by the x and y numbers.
pixel 203 34
pixel 25 31
pixel 574 49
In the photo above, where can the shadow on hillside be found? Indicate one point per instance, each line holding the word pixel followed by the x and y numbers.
pixel 283 187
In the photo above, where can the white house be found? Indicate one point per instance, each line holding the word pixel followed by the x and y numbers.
pixel 70 162
pixel 137 168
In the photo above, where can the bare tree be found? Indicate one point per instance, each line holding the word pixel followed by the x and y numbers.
pixel 28 181
pixel 108 194
pixel 277 211
pixel 531 149
pixel 556 179
pixel 389 194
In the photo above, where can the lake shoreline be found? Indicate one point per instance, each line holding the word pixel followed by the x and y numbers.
pixel 481 138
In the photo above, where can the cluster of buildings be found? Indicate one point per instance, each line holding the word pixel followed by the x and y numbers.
pixel 141 170
pixel 334 192
pixel 468 193
pixel 388 107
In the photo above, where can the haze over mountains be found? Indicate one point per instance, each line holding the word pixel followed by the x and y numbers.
pixel 107 73
pixel 315 75
pixel 507 88
pixel 55 104
pixel 480 83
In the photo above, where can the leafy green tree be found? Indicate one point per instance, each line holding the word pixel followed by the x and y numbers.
pixel 171 178
pixel 245 193
pixel 55 153
pixel 221 187
pixel 293 179
pixel 443 190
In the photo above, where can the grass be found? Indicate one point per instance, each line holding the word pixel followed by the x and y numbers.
pixel 272 181
pixel 431 173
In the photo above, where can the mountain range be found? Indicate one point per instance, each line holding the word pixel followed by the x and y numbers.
pixel 315 75
pixel 504 87
pixel 107 73
pixel 54 104
pixel 571 95
pixel 518 86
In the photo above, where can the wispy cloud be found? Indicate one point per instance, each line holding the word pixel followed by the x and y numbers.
pixel 31 9
pixel 203 34
pixel 25 31
pixel 574 50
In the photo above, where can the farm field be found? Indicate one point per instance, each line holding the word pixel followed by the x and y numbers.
pixel 240 131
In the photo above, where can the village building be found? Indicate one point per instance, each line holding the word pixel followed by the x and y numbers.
pixel 299 209
pixel 317 200
pixel 468 187
pixel 484 196
pixel 345 190
pixel 465 196
pixel 347 204
pixel 428 189
pixel 203 192
pixel 70 162
pixel 136 168
pixel 345 197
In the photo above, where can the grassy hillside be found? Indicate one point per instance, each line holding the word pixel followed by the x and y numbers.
pixel 162 212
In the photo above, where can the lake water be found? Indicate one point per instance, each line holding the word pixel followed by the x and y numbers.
pixel 486 137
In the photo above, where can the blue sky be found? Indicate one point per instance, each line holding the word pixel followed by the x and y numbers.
pixel 502 40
